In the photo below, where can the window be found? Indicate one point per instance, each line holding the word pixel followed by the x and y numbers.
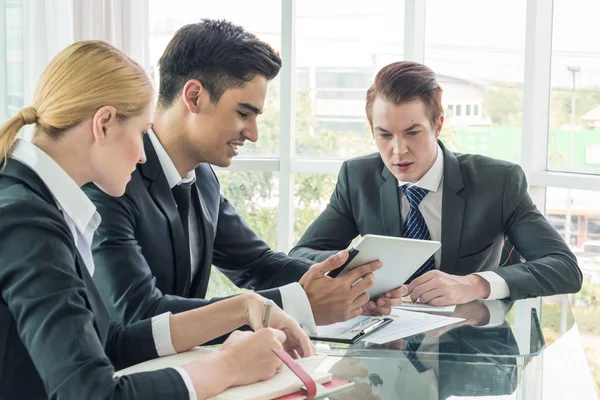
pixel 311 195
pixel 476 110
pixel 580 207
pixel 450 110
pixel 255 195
pixel 574 126
pixel 11 70
pixel 457 113
pixel 479 61
pixel 262 18
pixel 330 115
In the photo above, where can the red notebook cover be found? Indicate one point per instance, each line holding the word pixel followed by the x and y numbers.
pixel 309 383
pixel 301 395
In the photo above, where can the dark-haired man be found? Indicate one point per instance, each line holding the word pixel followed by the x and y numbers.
pixel 414 187
pixel 155 246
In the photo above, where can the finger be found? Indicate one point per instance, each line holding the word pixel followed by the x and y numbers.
pixel 371 305
pixel 306 347
pixel 366 282
pixel 293 353
pixel 361 301
pixel 356 312
pixel 426 277
pixel 363 270
pixel 427 298
pixel 277 334
pixel 398 292
pixel 391 302
pixel 333 262
pixel 424 288
pixel 382 311
pixel 441 301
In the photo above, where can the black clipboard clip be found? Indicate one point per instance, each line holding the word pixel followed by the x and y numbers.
pixel 351 254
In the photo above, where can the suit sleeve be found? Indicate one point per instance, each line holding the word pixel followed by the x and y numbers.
pixel 550 267
pixel 334 229
pixel 246 259
pixel 47 300
pixel 122 273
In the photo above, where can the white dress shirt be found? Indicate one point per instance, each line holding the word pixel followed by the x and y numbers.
pixel 294 299
pixel 431 210
pixel 83 220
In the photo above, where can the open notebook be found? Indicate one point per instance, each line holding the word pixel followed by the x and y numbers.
pixel 284 384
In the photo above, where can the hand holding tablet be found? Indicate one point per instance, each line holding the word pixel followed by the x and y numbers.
pixel 401 257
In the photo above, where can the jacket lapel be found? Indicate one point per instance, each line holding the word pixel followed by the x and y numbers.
pixel 161 194
pixel 390 204
pixel 453 208
pixel 200 282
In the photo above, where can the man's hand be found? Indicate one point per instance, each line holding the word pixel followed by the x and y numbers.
pixel 383 306
pixel 441 289
pixel 336 299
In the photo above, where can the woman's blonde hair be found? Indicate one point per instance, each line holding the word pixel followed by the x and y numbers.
pixel 80 80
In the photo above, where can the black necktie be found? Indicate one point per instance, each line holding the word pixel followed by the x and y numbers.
pixel 182 193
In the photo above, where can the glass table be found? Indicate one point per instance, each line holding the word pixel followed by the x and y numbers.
pixel 496 352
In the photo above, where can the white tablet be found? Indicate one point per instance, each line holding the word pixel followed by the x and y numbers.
pixel 401 258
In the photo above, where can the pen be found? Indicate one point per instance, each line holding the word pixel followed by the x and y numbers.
pixel 267 313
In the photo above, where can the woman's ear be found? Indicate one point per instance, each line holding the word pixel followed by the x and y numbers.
pixel 192 95
pixel 104 119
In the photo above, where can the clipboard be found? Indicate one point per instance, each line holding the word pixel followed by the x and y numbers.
pixel 351 331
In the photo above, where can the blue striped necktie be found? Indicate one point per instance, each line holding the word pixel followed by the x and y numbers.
pixel 414 226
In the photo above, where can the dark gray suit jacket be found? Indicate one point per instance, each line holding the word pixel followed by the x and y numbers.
pixel 57 340
pixel 143 259
pixel 483 201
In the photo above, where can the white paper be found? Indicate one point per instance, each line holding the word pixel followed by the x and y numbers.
pixel 424 308
pixel 408 323
pixel 342 330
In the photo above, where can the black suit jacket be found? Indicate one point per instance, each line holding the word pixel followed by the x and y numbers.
pixel 57 340
pixel 483 201
pixel 142 257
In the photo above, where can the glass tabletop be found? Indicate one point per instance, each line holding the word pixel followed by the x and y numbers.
pixel 492 352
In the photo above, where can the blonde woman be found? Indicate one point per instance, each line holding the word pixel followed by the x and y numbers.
pixel 91 107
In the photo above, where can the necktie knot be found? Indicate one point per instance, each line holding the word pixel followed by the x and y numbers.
pixel 414 195
pixel 186 185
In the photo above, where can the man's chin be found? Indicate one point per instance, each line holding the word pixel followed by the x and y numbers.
pixel 222 163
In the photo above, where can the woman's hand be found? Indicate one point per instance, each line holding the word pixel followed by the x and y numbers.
pixel 297 342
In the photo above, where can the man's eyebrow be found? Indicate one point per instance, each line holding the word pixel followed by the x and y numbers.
pixel 378 128
pixel 413 126
pixel 250 107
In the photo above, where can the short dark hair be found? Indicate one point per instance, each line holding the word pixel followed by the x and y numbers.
pixel 219 54
pixel 403 82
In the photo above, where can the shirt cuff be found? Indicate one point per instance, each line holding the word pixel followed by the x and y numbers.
pixel 497 312
pixel 498 286
pixel 188 382
pixel 161 332
pixel 295 303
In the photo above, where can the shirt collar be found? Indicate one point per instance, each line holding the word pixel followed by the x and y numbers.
pixel 68 195
pixel 432 178
pixel 173 177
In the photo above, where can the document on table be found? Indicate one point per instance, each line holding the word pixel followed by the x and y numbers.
pixel 424 308
pixel 408 323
